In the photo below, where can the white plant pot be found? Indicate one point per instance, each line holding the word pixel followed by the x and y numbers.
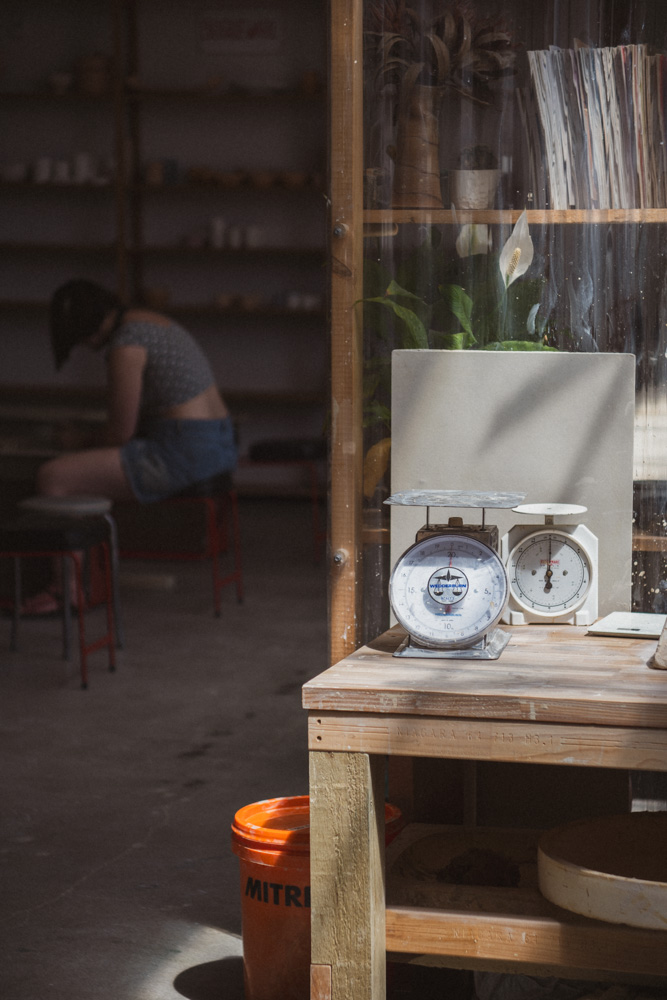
pixel 473 188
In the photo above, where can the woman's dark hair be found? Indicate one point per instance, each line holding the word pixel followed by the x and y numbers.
pixel 78 309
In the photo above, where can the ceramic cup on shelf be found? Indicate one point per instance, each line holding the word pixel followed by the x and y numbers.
pixel 62 173
pixel 84 168
pixel 42 170
pixel 254 236
pixel 473 188
pixel 216 232
pixel 235 237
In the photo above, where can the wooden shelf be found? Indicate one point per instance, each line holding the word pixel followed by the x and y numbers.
pixel 262 312
pixel 260 399
pixel 571 946
pixel 99 248
pixel 40 398
pixel 203 310
pixel 49 97
pixel 475 922
pixel 22 305
pixel 171 250
pixel 535 217
pixel 642 542
pixel 214 187
pixel 30 187
pixel 139 94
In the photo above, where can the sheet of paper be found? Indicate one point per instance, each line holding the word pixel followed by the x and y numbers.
pixel 634 624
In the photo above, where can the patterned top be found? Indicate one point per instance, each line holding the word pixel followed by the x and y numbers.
pixel 176 369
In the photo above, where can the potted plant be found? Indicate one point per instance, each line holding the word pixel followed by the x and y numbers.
pixel 474 304
pixel 421 55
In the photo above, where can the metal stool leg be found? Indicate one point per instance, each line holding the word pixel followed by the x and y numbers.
pixel 115 573
pixel 16 613
pixel 67 610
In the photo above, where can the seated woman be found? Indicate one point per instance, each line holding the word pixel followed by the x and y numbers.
pixel 168 425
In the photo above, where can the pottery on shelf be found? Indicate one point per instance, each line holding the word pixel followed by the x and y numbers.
pixel 473 188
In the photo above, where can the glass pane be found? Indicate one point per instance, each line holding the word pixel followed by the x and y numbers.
pixel 473 113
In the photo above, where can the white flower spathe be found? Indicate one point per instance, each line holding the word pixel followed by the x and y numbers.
pixel 473 238
pixel 517 254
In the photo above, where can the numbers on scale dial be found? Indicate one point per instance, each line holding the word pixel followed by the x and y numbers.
pixel 550 573
pixel 448 590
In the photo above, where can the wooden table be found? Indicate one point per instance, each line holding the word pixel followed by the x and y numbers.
pixel 555 696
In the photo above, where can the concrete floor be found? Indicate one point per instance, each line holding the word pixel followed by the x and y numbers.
pixel 118 879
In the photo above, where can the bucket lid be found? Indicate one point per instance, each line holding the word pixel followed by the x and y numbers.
pixel 278 824
pixel 283 824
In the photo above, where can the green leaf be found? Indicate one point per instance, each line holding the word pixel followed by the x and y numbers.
pixel 416 337
pixel 453 341
pixel 518 345
pixel 393 288
pixel 461 305
pixel 376 413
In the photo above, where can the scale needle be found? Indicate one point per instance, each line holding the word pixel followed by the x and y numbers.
pixel 549 573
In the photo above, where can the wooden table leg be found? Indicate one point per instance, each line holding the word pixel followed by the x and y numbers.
pixel 347 874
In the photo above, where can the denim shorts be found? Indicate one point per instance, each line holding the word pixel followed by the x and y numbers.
pixel 175 454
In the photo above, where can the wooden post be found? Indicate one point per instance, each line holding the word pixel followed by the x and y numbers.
pixel 347 874
pixel 346 283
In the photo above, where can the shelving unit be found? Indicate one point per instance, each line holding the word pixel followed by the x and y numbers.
pixel 151 241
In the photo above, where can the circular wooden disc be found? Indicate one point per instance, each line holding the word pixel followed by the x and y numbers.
pixel 612 868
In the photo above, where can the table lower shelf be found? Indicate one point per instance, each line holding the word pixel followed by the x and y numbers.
pixel 501 926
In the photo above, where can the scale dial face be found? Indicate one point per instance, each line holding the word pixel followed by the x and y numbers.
pixel 448 590
pixel 550 573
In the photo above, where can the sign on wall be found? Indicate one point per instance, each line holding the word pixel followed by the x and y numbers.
pixel 251 31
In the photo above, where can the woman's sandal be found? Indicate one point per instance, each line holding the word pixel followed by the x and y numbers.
pixel 46 604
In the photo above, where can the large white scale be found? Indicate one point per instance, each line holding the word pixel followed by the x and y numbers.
pixel 451 588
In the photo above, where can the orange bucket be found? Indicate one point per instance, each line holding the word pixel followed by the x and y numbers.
pixel 272 841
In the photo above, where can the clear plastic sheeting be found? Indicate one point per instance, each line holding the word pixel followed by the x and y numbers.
pixel 454 498
pixel 475 113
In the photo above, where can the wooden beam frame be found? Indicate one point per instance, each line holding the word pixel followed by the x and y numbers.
pixel 346 282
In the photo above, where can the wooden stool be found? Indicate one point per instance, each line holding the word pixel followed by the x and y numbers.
pixel 219 501
pixel 36 534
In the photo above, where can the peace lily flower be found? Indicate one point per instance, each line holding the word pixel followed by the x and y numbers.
pixel 488 315
pixel 517 254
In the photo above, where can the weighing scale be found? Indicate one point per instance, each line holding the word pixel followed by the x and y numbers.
pixel 552 570
pixel 449 589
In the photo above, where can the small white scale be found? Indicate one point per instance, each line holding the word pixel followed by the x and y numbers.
pixel 449 589
pixel 552 570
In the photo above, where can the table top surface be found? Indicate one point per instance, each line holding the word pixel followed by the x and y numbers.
pixel 547 673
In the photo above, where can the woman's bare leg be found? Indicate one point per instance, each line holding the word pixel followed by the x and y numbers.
pixel 97 471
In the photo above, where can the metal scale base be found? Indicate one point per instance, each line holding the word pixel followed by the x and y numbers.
pixel 488 648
